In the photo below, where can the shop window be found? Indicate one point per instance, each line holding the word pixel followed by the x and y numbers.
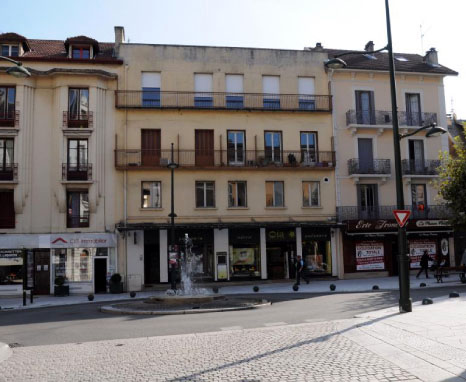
pixel 274 194
pixel 11 267
pixel 244 253
pixel 151 194
pixel 317 253
pixel 77 209
pixel 74 264
pixel 311 194
pixel 237 194
pixel 7 105
pixel 205 194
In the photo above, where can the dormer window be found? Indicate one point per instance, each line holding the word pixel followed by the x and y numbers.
pixel 83 52
pixel 10 50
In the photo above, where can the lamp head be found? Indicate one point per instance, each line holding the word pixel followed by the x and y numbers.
pixel 18 71
pixel 435 131
pixel 172 165
pixel 335 63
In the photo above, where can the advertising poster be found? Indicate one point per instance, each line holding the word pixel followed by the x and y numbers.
pixel 243 256
pixel 417 248
pixel 369 256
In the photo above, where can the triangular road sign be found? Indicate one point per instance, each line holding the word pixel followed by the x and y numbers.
pixel 401 216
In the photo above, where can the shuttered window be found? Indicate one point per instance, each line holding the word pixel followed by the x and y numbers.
pixel 271 90
pixel 306 91
pixel 150 83
pixel 234 87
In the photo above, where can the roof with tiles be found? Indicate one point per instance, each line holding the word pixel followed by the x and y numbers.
pixel 404 62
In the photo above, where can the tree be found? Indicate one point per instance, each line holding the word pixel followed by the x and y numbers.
pixel 452 181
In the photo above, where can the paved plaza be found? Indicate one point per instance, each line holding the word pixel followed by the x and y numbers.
pixel 426 345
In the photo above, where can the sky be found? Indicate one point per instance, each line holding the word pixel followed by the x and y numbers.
pixel 284 24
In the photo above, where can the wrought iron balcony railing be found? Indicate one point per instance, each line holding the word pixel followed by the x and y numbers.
pixel 9 172
pixel 125 159
pixel 77 221
pixel 420 166
pixel 376 166
pixel 140 99
pixel 386 212
pixel 78 120
pixel 378 117
pixel 76 172
pixel 9 118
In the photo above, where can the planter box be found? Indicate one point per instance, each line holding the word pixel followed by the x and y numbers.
pixel 116 288
pixel 61 291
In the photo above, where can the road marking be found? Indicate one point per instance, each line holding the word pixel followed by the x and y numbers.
pixel 281 323
pixel 232 328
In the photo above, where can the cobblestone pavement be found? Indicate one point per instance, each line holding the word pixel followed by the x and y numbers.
pixel 305 352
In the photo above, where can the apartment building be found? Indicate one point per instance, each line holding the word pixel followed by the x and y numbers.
pixel 365 182
pixel 252 135
pixel 56 164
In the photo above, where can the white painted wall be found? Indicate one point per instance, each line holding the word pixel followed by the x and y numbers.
pixel 163 242
pixel 135 258
pixel 221 245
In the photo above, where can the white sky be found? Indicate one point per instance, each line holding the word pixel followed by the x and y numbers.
pixel 287 24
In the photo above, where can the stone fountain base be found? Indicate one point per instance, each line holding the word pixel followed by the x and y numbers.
pixel 181 300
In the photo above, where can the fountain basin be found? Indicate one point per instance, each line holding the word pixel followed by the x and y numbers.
pixel 183 300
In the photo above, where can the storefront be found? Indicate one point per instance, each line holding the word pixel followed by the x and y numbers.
pixel 281 252
pixel 317 250
pixel 244 252
pixel 84 260
pixel 372 246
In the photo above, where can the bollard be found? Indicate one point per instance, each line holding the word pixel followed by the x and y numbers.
pixel 32 297
pixel 24 298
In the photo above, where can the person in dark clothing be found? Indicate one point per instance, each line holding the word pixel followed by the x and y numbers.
pixel 299 269
pixel 424 264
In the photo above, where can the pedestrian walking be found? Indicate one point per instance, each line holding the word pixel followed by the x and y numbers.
pixel 424 264
pixel 299 269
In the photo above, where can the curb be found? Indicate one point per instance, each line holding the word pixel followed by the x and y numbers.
pixel 5 352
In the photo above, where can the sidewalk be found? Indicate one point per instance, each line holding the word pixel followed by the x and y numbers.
pixel 321 286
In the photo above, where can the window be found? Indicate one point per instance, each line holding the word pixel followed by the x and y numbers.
pixel 83 53
pixel 10 50
pixel 7 212
pixel 273 146
pixel 308 147
pixel 236 148
pixel 205 194
pixel 203 89
pixel 74 264
pixel 418 196
pixel 368 201
pixel 11 267
pixel 7 104
pixel 150 89
pixel 77 165
pixel 78 209
pixel 271 90
pixel 151 194
pixel 306 93
pixel 6 158
pixel 78 109
pixel 311 194
pixel 365 110
pixel 237 194
pixel 413 109
pixel 416 156
pixel 234 87
pixel 274 194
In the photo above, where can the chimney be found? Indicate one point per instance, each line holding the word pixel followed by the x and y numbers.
pixel 431 57
pixel 369 46
pixel 119 35
pixel 318 47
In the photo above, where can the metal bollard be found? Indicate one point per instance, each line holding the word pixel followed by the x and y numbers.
pixel 32 296
pixel 24 298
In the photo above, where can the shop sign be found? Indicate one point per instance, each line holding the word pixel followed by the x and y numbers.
pixel 388 225
pixel 79 240
pixel 432 223
pixel 417 248
pixel 11 257
pixel 279 235
pixel 309 234
pixel 369 256
pixel 247 236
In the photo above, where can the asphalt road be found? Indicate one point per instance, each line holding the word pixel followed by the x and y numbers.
pixel 84 323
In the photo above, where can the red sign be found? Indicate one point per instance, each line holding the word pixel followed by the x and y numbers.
pixel 401 216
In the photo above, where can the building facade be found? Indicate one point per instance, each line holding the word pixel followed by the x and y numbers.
pixel 56 165
pixel 365 182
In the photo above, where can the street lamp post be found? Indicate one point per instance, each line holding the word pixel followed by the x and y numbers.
pixel 405 303
pixel 18 71
pixel 172 166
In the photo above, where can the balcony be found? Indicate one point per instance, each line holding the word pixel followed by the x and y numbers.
pixel 77 221
pixel 9 172
pixel 374 167
pixel 76 172
pixel 384 118
pixel 9 119
pixel 78 121
pixel 138 99
pixel 228 159
pixel 386 212
pixel 422 167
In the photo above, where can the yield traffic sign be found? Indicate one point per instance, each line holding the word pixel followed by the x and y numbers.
pixel 401 216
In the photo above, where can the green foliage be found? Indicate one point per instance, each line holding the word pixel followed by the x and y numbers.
pixel 452 182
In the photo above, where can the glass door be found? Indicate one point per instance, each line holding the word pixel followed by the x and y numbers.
pixel 236 148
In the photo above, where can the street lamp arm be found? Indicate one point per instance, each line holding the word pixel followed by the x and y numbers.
pixel 361 52
pixel 433 132
pixel 401 136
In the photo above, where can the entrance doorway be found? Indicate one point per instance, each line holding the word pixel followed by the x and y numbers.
pixel 42 271
pixel 151 257
pixel 100 275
